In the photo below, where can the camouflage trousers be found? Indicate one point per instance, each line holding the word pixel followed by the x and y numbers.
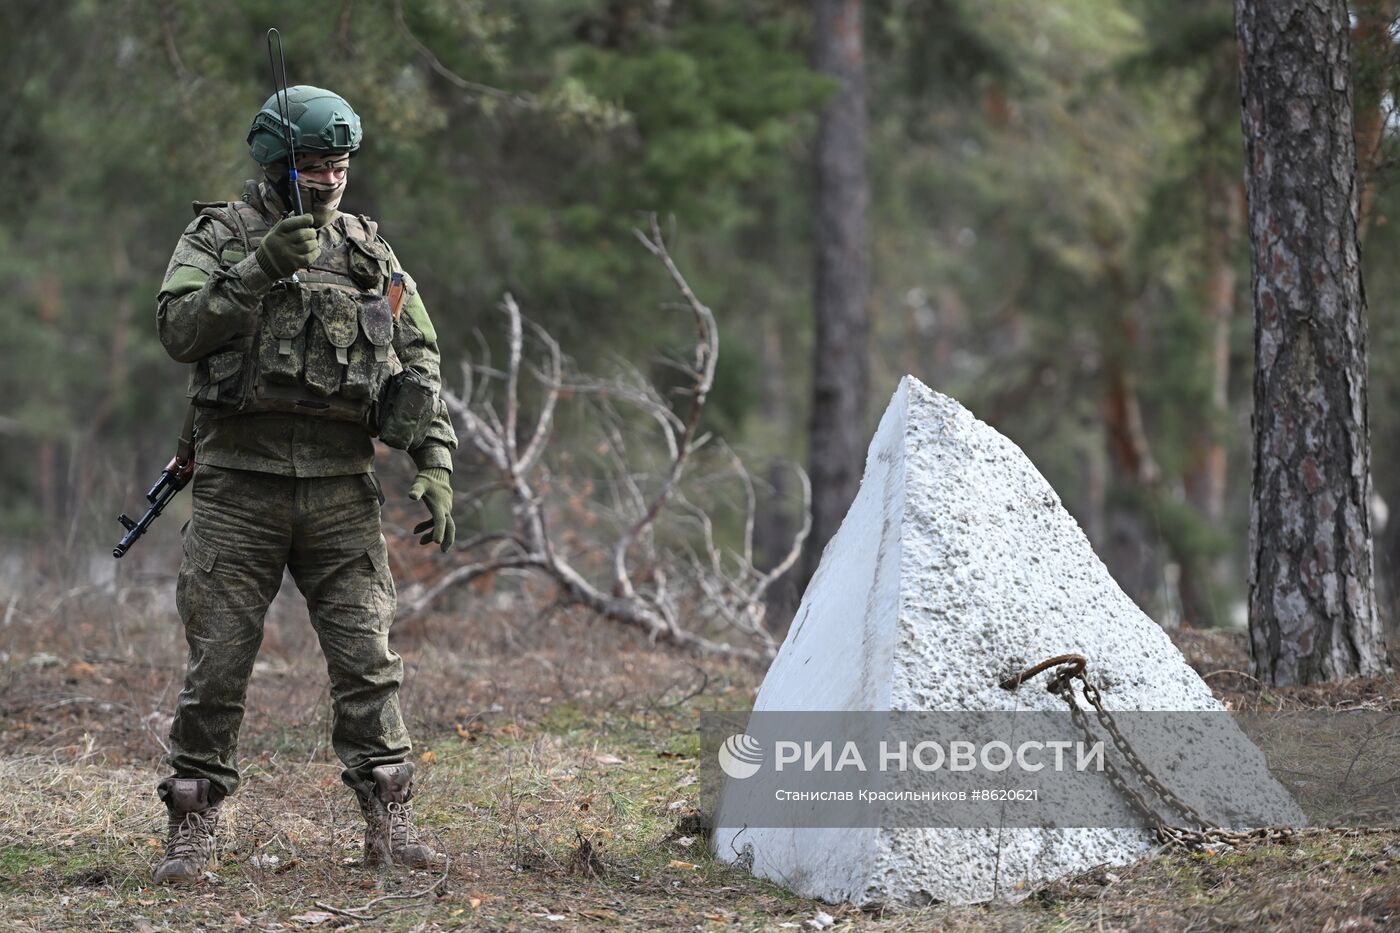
pixel 247 527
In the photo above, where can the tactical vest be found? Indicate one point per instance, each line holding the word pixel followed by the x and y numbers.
pixel 323 344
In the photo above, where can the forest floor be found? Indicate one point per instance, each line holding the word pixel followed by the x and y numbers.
pixel 557 766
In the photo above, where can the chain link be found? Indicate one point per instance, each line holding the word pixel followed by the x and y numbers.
pixel 1200 834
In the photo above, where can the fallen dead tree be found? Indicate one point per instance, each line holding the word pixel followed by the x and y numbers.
pixel 636 579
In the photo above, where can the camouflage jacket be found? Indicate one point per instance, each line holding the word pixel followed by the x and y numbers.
pixel 211 301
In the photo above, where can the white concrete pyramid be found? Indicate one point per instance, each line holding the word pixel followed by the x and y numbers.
pixel 955 563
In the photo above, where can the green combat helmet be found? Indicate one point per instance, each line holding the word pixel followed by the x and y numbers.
pixel 322 121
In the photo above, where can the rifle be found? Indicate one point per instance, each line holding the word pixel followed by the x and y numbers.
pixel 173 478
pixel 180 470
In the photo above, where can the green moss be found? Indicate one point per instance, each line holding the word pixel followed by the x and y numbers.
pixel 16 860
pixel 565 718
pixel 684 745
pixel 24 866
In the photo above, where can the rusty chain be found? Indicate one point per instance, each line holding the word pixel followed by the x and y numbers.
pixel 1199 836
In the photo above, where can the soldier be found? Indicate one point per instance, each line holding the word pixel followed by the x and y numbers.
pixel 306 339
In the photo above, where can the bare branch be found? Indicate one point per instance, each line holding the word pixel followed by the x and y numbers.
pixel 706 352
pixel 545 424
pixel 459 576
pixel 650 597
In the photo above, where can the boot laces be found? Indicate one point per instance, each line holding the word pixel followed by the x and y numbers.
pixel 193 835
pixel 401 829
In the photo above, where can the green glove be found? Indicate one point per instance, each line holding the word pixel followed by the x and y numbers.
pixel 434 487
pixel 290 245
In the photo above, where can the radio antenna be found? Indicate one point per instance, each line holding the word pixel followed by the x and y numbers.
pixel 279 91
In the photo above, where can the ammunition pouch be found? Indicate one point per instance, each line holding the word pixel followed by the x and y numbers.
pixel 406 410
pixel 323 345
pixel 217 381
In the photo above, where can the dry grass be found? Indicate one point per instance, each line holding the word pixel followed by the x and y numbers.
pixel 556 760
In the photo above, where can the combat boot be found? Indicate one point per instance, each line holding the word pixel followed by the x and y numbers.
pixel 193 823
pixel 390 837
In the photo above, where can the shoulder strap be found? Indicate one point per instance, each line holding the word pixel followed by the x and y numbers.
pixel 240 217
pixel 359 227
pixel 225 214
pixel 250 221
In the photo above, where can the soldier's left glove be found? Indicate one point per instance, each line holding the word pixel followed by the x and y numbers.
pixel 434 486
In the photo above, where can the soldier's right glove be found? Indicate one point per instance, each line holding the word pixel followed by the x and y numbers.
pixel 290 245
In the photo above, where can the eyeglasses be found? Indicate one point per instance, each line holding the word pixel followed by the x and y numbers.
pixel 335 163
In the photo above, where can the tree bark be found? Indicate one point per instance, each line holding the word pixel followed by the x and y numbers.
pixel 840 369
pixel 1312 608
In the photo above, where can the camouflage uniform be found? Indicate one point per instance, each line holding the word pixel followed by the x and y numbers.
pixel 285 476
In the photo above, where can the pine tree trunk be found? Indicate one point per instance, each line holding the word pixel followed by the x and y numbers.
pixel 1372 45
pixel 1312 608
pixel 774 525
pixel 1135 556
pixel 1373 60
pixel 840 371
pixel 1204 477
